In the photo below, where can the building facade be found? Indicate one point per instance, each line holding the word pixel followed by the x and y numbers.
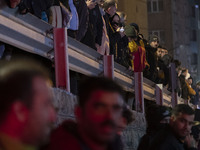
pixel 136 11
pixel 176 23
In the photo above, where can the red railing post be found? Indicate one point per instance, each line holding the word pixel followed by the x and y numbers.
pixel 61 58
pixel 159 94
pixel 139 98
pixel 108 63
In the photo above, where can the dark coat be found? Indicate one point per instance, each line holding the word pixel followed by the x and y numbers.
pixel 151 59
pixel 36 7
pixel 166 140
pixel 184 88
pixel 122 56
pixel 114 37
pixel 66 137
pixel 83 15
pixel 95 28
pixel 151 132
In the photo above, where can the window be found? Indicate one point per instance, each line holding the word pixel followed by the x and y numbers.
pixel 155 5
pixel 149 6
pixel 160 5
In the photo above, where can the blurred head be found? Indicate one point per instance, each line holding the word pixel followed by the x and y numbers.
pixel 164 51
pixel 91 4
pixel 115 20
pixel 99 110
pixel 184 72
pixel 136 27
pixel 159 52
pixel 130 32
pixel 110 6
pixel 190 80
pixel 182 120
pixel 154 41
pixel 161 115
pixel 177 64
pixel 179 71
pixel 198 84
pixel 122 17
pixel 26 102
pixel 14 3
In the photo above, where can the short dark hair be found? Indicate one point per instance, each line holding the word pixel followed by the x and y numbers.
pixel 91 84
pixel 182 108
pixel 16 83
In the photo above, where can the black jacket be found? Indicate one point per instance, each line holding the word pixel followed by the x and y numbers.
pixel 114 37
pixel 95 28
pixel 151 59
pixel 166 140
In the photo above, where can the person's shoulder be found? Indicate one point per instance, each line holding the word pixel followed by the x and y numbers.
pixel 166 140
pixel 65 137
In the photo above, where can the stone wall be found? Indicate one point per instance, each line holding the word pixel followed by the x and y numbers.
pixel 134 131
pixel 65 103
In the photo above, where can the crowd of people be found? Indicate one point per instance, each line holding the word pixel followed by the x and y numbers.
pixel 97 24
pixel 28 116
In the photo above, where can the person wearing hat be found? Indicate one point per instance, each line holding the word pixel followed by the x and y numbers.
pixel 151 49
pixel 136 49
pixel 120 55
pixel 156 117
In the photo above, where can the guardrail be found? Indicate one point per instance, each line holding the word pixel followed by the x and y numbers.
pixel 31 34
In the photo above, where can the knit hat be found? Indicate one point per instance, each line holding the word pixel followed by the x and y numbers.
pixel 153 38
pixel 136 26
pixel 130 31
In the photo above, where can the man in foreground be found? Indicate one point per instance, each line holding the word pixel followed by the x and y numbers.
pixel 98 113
pixel 25 103
pixel 176 136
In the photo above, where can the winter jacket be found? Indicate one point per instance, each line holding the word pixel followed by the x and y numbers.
pixel 83 15
pixel 151 59
pixel 95 28
pixel 167 140
pixel 138 54
pixel 114 37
